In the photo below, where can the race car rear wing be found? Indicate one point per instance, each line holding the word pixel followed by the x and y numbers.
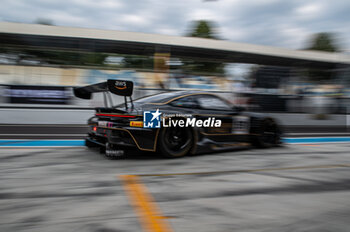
pixel 118 87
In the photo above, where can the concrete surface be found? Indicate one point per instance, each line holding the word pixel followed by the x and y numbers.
pixel 80 116
pixel 44 116
pixel 76 189
pixel 297 119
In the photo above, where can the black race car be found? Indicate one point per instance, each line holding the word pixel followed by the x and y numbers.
pixel 173 123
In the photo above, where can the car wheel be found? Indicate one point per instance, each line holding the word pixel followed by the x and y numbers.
pixel 268 136
pixel 175 141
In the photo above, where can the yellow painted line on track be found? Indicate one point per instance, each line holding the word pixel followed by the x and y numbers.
pixel 250 170
pixel 149 214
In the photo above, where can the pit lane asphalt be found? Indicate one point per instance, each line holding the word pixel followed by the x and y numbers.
pixel 290 188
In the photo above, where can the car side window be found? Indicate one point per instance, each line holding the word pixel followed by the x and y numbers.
pixel 210 102
pixel 187 102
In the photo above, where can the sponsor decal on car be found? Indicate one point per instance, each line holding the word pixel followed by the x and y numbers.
pixel 191 122
pixel 153 119
pixel 120 84
pixel 136 123
pixel 105 124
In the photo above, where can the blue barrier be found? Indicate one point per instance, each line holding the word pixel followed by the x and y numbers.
pixel 41 143
pixel 317 140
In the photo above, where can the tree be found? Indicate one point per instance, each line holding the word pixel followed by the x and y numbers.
pixel 322 42
pixel 203 29
pixel 44 21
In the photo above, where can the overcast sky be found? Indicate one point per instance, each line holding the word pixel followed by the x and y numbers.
pixel 280 23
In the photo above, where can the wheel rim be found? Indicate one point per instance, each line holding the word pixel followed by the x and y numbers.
pixel 177 138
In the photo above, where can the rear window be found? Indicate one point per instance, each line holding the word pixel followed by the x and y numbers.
pixel 157 98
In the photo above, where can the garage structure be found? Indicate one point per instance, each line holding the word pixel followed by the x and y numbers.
pixel 46 37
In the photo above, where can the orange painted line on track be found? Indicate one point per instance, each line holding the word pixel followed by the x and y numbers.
pixel 149 214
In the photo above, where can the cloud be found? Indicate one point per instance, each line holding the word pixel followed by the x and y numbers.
pixel 310 11
pixel 133 20
pixel 267 22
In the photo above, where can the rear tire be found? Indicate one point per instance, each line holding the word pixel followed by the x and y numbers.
pixel 174 142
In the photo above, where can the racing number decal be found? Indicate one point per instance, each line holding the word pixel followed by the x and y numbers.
pixel 240 125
